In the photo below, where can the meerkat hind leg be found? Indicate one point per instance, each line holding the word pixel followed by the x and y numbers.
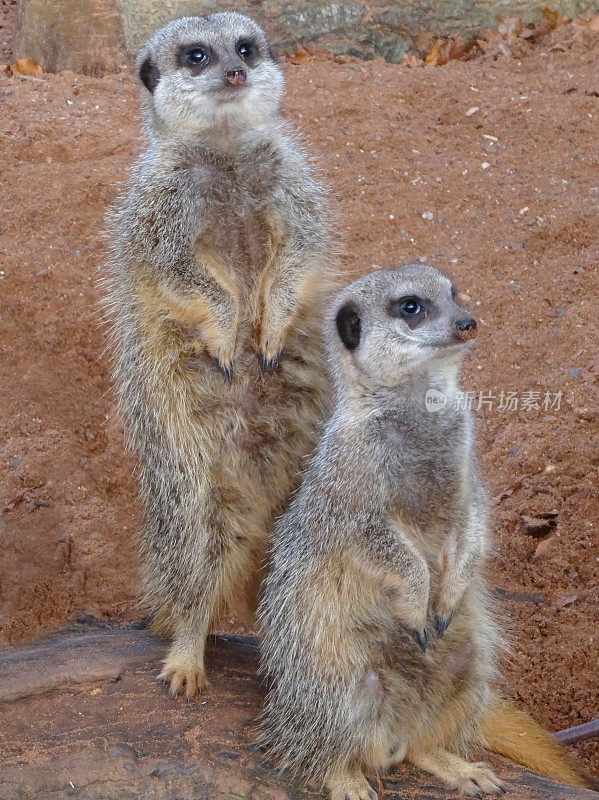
pixel 350 785
pixel 468 778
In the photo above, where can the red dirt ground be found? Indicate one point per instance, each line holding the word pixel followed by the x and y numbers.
pixel 513 190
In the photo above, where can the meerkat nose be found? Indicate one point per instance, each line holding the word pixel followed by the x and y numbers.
pixel 466 329
pixel 235 76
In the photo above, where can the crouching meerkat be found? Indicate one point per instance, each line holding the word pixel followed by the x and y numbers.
pixel 379 644
pixel 218 272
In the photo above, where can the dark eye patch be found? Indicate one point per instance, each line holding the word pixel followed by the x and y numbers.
pixel 196 56
pixel 454 291
pixel 412 309
pixel 247 49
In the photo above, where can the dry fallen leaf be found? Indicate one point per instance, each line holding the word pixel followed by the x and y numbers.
pixel 435 57
pixel 554 18
pixel 301 56
pixel 412 61
pixel 594 24
pixel 510 28
pixel 454 48
pixel 27 66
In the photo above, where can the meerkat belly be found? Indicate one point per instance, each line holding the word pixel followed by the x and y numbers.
pixel 241 243
pixel 419 685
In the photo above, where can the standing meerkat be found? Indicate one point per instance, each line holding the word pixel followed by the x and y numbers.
pixel 379 644
pixel 219 270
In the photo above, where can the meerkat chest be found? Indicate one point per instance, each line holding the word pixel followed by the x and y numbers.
pixel 240 227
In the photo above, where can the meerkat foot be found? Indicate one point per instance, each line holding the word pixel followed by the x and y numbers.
pixel 481 780
pixel 396 755
pixel 351 786
pixel 469 779
pixel 184 676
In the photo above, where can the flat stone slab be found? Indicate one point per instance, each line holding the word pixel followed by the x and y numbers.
pixel 98 36
pixel 83 717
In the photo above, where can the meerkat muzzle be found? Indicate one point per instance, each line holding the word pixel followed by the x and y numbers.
pixel 235 77
pixel 466 329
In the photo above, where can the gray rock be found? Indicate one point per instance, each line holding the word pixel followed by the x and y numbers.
pixel 115 30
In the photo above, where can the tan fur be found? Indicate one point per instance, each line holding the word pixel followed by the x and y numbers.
pixel 513 734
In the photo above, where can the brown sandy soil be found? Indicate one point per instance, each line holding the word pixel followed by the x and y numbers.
pixel 513 191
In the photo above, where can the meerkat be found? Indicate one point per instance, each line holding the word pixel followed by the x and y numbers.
pixel 379 644
pixel 219 268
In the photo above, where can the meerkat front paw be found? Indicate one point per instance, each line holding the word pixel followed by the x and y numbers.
pixel 413 615
pixel 183 677
pixel 351 786
pixel 226 368
pixel 270 359
pixel 421 636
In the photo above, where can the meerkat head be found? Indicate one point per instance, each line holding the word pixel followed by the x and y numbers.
pixel 394 322
pixel 207 75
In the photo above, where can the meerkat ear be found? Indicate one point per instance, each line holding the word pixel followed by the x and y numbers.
pixel 149 74
pixel 349 325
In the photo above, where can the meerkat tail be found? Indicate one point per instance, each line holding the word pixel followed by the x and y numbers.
pixel 515 735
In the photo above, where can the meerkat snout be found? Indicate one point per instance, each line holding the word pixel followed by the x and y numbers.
pixel 235 76
pixel 466 329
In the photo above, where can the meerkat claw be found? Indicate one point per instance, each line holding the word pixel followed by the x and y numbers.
pixel 226 369
pixel 269 365
pixel 421 638
pixel 442 623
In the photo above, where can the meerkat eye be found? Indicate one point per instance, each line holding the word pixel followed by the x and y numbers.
pixel 246 49
pixel 411 306
pixel 408 308
pixel 196 57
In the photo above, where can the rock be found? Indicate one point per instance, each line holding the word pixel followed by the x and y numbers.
pixel 99 36
pixel 566 600
pixel 540 526
pixel 575 373
pixel 85 36
pixel 83 716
